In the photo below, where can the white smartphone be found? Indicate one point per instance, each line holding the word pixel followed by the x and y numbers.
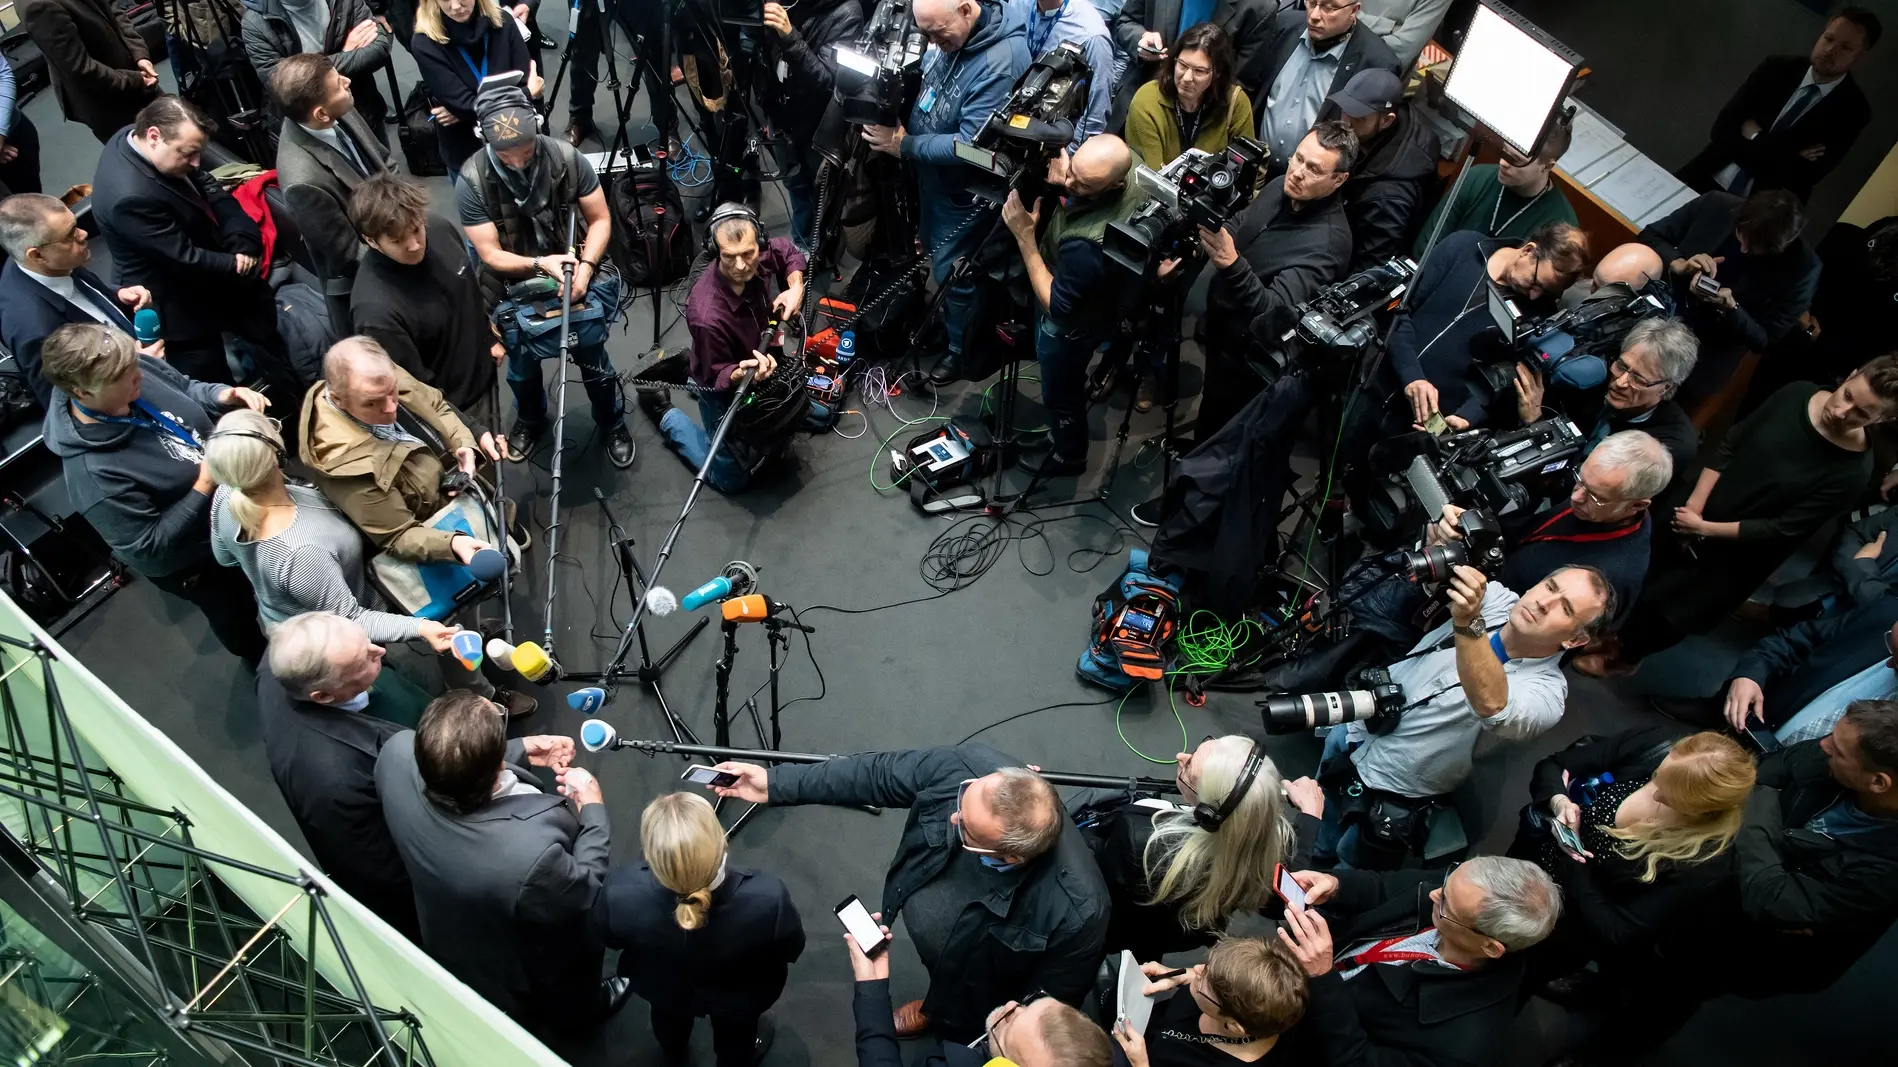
pixel 700 774
pixel 1290 891
pixel 857 921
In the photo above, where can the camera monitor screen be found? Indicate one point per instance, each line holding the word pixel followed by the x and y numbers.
pixel 1510 76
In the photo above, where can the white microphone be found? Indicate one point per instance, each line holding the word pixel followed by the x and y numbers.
pixel 501 653
pixel 597 735
pixel 661 601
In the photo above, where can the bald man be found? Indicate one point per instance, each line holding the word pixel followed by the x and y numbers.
pixel 1077 288
pixel 1634 265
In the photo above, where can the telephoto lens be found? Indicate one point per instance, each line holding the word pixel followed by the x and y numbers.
pixel 1433 563
pixel 1296 712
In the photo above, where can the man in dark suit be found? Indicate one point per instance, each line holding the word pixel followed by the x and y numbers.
pixel 325 151
pixel 1760 277
pixel 1144 32
pixel 101 71
pixel 1793 118
pixel 1424 968
pixel 324 704
pixel 505 872
pixel 175 231
pixel 1307 56
pixel 46 285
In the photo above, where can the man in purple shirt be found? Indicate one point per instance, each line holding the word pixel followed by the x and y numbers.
pixel 727 311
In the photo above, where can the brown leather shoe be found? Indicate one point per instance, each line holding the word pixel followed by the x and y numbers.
pixel 910 1020
pixel 577 132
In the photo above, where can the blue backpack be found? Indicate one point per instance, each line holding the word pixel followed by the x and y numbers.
pixel 1134 622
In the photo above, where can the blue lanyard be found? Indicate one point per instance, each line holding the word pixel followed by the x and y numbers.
pixel 1496 644
pixel 480 72
pixel 154 420
pixel 1036 22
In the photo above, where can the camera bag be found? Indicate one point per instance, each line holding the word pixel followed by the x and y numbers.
pixel 1135 620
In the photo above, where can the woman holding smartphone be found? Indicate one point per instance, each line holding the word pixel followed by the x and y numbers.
pixel 697 936
pixel 457 43
pixel 1655 817
pixel 1173 881
pixel 1235 1008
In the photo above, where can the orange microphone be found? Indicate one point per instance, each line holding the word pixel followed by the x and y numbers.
pixel 756 607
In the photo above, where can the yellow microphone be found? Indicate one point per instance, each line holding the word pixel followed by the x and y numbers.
pixel 534 664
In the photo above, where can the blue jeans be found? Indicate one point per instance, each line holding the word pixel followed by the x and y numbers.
pixel 530 392
pixel 800 184
pixel 1063 357
pixel 1331 840
pixel 693 442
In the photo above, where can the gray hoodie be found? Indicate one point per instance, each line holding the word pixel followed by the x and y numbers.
pixel 134 485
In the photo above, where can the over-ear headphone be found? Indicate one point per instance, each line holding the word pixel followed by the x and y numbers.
pixel 274 446
pixel 726 212
pixel 1209 818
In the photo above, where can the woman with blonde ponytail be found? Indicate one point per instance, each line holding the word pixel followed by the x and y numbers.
pixel 1174 882
pixel 698 936
pixel 298 551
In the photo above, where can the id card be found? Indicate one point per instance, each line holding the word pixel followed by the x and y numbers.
pixel 926 101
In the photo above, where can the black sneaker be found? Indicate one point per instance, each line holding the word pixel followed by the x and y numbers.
pixel 619 446
pixel 578 131
pixel 654 402
pixel 945 370
pixel 522 439
pixel 1048 464
pixel 518 705
pixel 1148 512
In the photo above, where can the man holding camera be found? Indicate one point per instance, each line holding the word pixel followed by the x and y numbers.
pixel 800 57
pixel 1494 668
pixel 1076 286
pixel 978 49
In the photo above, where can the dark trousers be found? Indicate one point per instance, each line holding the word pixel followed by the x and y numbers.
pixel 1646 632
pixel 228 602
pixel 525 377
pixel 22 173
pixel 202 357
pixel 1063 357
pixel 1230 386
pixel 644 19
pixel 732 1036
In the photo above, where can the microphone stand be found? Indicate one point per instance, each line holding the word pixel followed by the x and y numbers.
pixel 560 431
pixel 751 755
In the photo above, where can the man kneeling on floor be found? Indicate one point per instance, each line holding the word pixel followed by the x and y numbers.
pixel 727 311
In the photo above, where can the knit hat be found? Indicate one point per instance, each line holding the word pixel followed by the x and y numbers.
pixel 506 117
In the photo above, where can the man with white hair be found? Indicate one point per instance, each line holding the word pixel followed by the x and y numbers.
pixel 1656 356
pixel 326 706
pixel 1425 966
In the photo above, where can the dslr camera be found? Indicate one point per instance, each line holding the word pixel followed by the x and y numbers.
pixel 1198 190
pixel 1371 698
pixel 1018 140
pixel 1481 547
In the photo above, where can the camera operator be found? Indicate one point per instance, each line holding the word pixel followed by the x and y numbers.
pixel 1035 1031
pixel 513 200
pixel 977 50
pixel 993 880
pixel 1397 158
pixel 1077 288
pixel 1427 367
pixel 1493 668
pixel 1742 275
pixel 801 56
pixel 1052 23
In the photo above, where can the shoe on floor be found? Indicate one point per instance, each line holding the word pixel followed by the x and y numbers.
pixel 1148 513
pixel 1048 464
pixel 654 402
pixel 576 132
pixel 518 705
pixel 910 1020
pixel 1143 396
pixel 767 1032
pixel 945 371
pixel 1102 386
pixel 522 439
pixel 1703 712
pixel 619 445
pixel 614 992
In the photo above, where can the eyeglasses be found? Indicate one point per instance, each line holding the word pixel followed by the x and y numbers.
pixel 995 1028
pixel 961 837
pixel 1589 494
pixel 1333 7
pixel 1440 907
pixel 1181 66
pixel 1620 367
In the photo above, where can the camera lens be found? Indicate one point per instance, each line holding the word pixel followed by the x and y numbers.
pixel 1295 712
pixel 1434 562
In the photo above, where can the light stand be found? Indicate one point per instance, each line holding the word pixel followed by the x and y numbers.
pixel 752 755
pixel 560 431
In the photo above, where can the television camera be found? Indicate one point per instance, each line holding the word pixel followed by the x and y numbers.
pixel 1571 347
pixel 1027 131
pixel 1197 190
pixel 1500 473
pixel 879 75
pixel 1370 697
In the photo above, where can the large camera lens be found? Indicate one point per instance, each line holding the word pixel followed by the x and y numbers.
pixel 1434 563
pixel 1293 713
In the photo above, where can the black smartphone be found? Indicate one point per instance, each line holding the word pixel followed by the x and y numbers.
pixel 700 774
pixel 861 927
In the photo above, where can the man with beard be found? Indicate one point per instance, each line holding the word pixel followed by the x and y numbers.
pixel 1397 156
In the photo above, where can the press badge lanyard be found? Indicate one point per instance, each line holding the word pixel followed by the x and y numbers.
pixel 153 419
pixel 928 100
pixel 1499 206
pixel 1046 24
pixel 480 72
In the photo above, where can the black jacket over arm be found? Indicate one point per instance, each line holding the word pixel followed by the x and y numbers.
pixel 29 312
pixel 1773 159
pixel 734 965
pixel 877 1044
pixel 92 55
pixel 797 103
pixel 1049 915
pixel 1793 666
pixel 1772 291
pixel 1404 1016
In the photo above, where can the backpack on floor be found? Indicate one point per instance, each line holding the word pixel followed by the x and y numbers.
pixel 421 146
pixel 655 238
pixel 28 63
pixel 1134 622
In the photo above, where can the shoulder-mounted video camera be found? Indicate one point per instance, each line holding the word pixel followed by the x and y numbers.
pixel 1039 118
pixel 1196 190
pixel 1500 473
pixel 1571 347
pixel 879 74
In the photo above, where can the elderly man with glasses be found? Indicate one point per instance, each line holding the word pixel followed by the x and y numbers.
pixel 1656 356
pixel 1449 948
pixel 995 885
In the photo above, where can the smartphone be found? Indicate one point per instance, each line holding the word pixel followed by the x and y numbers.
pixel 1289 890
pixel 700 774
pixel 858 923
pixel 1566 836
pixel 1763 739
pixel 1707 284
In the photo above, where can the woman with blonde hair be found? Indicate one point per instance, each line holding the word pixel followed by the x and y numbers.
pixel 1656 815
pixel 698 936
pixel 457 43
pixel 1175 872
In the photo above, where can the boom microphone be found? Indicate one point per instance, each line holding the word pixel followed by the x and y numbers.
pixel 598 734
pixel 586 700
pixel 661 601
pixel 738 579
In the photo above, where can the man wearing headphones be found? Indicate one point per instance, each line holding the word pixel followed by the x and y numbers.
pixel 727 311
pixel 514 199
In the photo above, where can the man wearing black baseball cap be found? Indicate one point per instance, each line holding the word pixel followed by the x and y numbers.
pixel 1397 156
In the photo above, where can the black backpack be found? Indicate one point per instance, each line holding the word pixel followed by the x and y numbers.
pixel 656 242
pixel 28 63
pixel 421 147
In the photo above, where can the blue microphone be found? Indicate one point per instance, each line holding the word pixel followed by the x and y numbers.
pixel 145 326
pixel 597 734
pixel 715 589
pixel 588 700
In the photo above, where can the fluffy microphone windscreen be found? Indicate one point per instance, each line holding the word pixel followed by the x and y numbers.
pixel 661 601
pixel 488 564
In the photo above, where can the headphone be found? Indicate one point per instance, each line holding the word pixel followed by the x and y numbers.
pixel 726 212
pixel 1209 818
pixel 274 446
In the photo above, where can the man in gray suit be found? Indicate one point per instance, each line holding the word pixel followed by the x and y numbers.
pixel 325 150
pixel 505 873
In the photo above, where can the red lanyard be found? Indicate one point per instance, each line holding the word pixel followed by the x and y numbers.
pixel 1383 953
pixel 1604 535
